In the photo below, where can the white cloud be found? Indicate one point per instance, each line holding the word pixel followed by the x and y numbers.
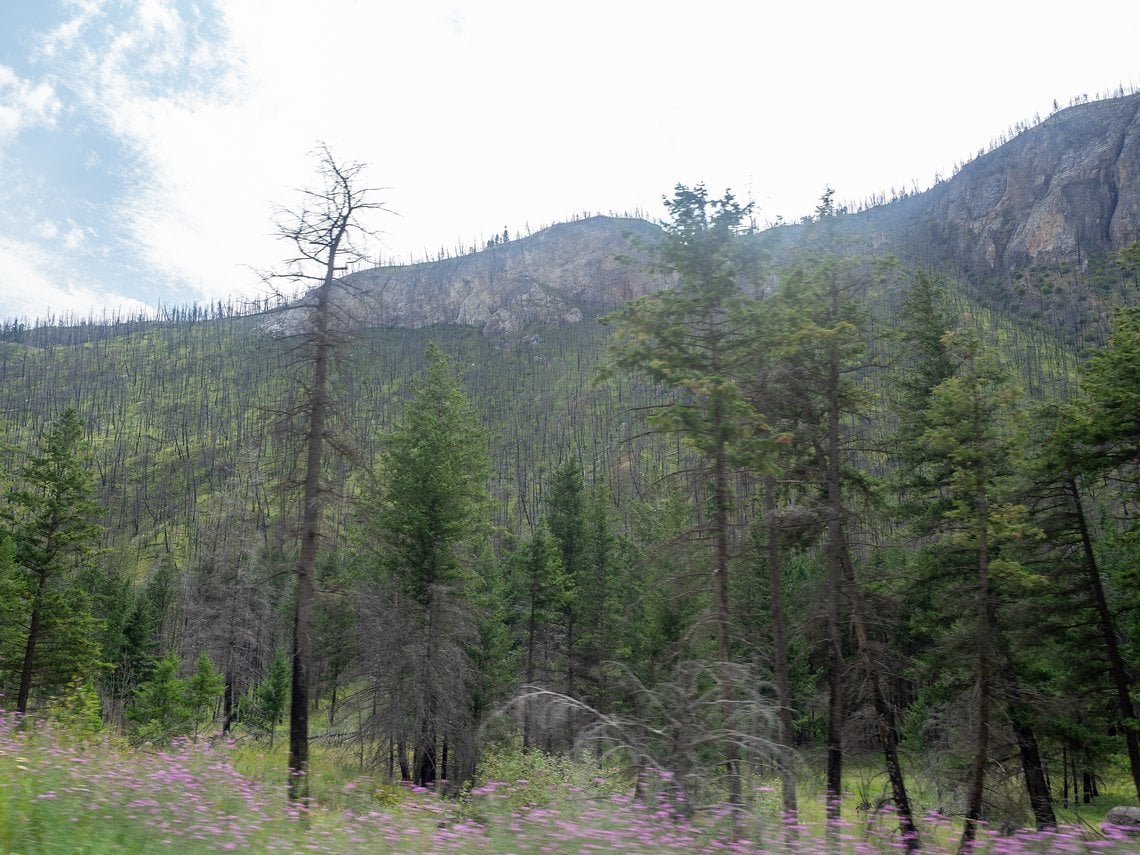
pixel 35 284
pixel 74 238
pixel 46 229
pixel 24 104
pixel 64 36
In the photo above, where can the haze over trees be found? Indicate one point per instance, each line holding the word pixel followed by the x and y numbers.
pixel 796 518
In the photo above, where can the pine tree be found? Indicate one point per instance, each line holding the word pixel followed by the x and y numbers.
pixel 54 541
pixel 697 341
pixel 265 707
pixel 424 516
pixel 969 436
pixel 204 690
pixel 818 341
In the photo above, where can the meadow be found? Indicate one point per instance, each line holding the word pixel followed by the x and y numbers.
pixel 63 793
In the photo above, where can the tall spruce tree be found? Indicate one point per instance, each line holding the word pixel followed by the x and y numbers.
pixel 54 540
pixel 969 437
pixel 697 341
pixel 821 340
pixel 424 518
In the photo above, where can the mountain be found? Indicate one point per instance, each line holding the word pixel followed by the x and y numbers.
pixel 189 400
pixel 1033 226
pixel 1063 192
pixel 541 279
pixel 1030 227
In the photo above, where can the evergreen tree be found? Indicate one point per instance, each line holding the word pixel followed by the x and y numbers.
pixel 566 518
pixel 161 708
pixel 203 690
pixel 167 705
pixel 1111 385
pixel 696 340
pixel 541 592
pixel 819 337
pixel 265 707
pixel 969 434
pixel 424 516
pixel 49 515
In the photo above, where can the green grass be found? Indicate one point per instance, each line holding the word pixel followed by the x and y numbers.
pixel 64 795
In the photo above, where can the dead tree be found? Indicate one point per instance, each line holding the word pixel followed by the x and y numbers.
pixel 328 235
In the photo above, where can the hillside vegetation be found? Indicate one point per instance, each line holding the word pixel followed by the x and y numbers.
pixel 812 512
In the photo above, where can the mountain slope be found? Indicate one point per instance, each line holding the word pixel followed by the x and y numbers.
pixel 539 279
pixel 1031 227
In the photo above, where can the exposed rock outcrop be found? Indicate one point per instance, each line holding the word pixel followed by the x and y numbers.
pixel 539 280
pixel 1060 192
pixel 1051 201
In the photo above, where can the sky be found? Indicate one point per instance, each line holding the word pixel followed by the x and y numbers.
pixel 148 146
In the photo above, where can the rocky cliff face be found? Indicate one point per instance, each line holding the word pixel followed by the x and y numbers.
pixel 1057 195
pixel 538 280
pixel 1062 192
pixel 1020 222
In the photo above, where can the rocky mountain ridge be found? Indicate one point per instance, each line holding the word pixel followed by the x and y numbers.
pixel 1058 197
pixel 1062 192
pixel 538 280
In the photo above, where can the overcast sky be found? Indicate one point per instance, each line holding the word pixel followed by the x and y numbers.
pixel 144 144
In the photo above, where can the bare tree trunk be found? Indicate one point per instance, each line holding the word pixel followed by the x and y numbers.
pixel 321 230
pixel 976 788
pixel 780 652
pixel 1065 776
pixel 28 667
pixel 1109 634
pixel 528 675
pixel 307 564
pixel 884 715
pixel 723 617
pixel 834 781
pixel 1036 783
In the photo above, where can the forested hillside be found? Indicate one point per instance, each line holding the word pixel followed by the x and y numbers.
pixel 813 508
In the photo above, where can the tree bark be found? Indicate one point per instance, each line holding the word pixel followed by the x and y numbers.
pixel 1036 783
pixel 834 781
pixel 723 615
pixel 28 667
pixel 311 530
pixel 1108 631
pixel 780 652
pixel 976 788
pixel 884 715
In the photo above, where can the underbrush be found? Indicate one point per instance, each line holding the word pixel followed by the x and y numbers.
pixel 98 795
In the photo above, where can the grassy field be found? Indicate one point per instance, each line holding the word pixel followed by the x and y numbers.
pixel 65 795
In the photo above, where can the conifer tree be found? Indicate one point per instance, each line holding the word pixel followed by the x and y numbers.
pixel 264 708
pixel 424 516
pixel 325 232
pixel 54 540
pixel 820 337
pixel 696 340
pixel 969 435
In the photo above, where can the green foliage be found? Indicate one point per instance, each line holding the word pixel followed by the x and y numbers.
pixel 430 497
pixel 168 706
pixel 1112 387
pixel 53 541
pixel 264 708
pixel 539 585
pixel 698 340
pixel 79 712
pixel 203 689
pixel 161 710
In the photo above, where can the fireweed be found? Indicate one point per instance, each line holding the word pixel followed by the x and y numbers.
pixel 60 795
